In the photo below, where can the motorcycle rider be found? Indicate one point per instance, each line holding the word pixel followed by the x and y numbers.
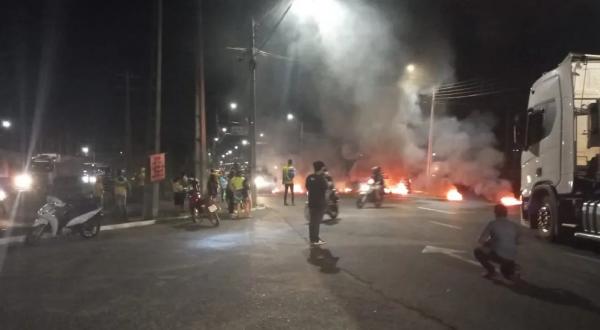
pixel 377 176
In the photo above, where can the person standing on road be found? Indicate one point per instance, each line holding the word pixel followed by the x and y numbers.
pixel 121 189
pixel 288 174
pixel 236 185
pixel 99 191
pixel 178 193
pixel 212 186
pixel 498 244
pixel 316 185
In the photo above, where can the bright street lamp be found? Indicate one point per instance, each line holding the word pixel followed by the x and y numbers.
pixel 410 68
pixel 236 147
pixel 216 139
pixel 6 124
pixel 290 116
pixel 262 134
pixel 244 142
pixel 85 150
pixel 224 129
pixel 232 105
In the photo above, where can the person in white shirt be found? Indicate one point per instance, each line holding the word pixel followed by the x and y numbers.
pixel 498 245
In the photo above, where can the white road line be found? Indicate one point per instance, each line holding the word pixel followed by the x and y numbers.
pixel 456 254
pixel 446 225
pixel 434 210
pixel 128 225
pixel 12 239
pixel 591 259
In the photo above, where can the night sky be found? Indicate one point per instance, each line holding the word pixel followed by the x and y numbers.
pixel 74 54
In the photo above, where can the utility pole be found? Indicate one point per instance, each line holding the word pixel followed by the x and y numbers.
pixel 430 140
pixel 252 121
pixel 200 108
pixel 128 147
pixel 157 119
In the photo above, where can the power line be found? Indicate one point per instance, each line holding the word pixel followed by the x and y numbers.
pixel 510 90
pixel 274 29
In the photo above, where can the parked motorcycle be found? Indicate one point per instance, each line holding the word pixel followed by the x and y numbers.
pixel 203 207
pixel 332 206
pixel 83 218
pixel 370 192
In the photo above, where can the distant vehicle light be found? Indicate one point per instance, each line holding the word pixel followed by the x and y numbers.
pixel 2 195
pixel 23 182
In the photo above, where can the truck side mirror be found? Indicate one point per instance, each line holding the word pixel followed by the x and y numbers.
pixel 519 128
pixel 593 126
pixel 535 127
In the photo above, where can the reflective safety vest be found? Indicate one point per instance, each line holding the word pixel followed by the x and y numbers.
pixel 288 174
pixel 237 183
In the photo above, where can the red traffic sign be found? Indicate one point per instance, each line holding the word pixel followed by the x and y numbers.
pixel 157 167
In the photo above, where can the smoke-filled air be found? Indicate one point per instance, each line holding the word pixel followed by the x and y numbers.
pixel 373 110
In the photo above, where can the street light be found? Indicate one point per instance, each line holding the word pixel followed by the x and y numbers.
pixel 6 124
pixel 216 139
pixel 224 129
pixel 290 116
pixel 244 142
pixel 410 68
pixel 236 147
pixel 85 150
pixel 232 105
pixel 262 134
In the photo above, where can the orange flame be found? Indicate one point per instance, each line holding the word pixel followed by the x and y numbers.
pixel 298 188
pixel 510 201
pixel 400 189
pixel 454 195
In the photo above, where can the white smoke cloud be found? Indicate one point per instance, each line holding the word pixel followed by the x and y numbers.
pixel 370 106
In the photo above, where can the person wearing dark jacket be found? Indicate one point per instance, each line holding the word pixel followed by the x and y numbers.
pixel 316 185
pixel 212 186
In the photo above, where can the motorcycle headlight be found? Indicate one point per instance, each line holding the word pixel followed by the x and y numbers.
pixel 23 182
pixel 363 187
pixel 371 181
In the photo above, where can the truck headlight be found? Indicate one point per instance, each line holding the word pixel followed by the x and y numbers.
pixel 23 182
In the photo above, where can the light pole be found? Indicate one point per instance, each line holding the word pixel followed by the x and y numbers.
pixel 430 138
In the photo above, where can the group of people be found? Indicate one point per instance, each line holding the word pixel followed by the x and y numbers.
pixel 232 189
pixel 121 189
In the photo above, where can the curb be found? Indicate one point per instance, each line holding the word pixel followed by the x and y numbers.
pixel 118 226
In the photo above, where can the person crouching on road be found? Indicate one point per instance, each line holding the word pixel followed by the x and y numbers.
pixel 498 244
pixel 316 185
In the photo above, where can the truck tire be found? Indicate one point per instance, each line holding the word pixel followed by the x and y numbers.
pixel 544 215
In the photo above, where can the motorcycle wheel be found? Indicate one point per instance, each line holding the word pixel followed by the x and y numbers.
pixel 195 214
pixel 333 212
pixel 360 203
pixel 35 235
pixel 214 218
pixel 90 228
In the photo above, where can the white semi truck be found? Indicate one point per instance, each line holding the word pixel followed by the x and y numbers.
pixel 560 137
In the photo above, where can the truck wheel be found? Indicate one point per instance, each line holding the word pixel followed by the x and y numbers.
pixel 546 218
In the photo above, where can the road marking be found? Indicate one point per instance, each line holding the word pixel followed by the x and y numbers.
pixel 435 210
pixel 456 254
pixel 128 225
pixel 595 260
pixel 446 225
pixel 12 239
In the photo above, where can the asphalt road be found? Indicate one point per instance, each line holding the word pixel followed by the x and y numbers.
pixel 405 266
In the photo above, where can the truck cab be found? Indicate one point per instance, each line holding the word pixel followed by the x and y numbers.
pixel 559 134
